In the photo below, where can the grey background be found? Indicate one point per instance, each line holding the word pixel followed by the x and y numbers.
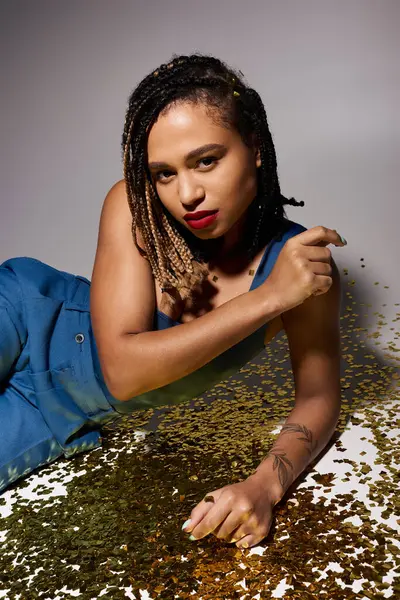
pixel 326 70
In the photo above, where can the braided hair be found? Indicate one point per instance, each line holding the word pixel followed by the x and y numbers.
pixel 177 258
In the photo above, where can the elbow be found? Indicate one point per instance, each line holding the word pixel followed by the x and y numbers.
pixel 122 379
pixel 119 380
pixel 117 391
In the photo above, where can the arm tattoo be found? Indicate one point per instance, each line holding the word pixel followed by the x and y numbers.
pixel 281 462
pixel 305 434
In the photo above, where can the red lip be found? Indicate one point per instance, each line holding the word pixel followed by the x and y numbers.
pixel 199 214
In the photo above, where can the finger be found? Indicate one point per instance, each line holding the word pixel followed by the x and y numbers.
pixel 318 235
pixel 196 516
pixel 247 541
pixel 229 526
pixel 203 507
pixel 250 527
pixel 322 284
pixel 322 269
pixel 238 534
pixel 318 254
pixel 216 515
pixel 252 538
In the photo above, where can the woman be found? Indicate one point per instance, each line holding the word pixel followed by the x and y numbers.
pixel 197 267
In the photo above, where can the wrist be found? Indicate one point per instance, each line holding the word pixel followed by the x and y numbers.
pixel 270 300
pixel 270 484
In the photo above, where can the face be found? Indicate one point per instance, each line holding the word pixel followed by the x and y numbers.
pixel 206 177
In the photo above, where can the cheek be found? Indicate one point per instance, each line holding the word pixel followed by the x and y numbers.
pixel 226 184
pixel 241 176
pixel 249 181
pixel 242 189
pixel 166 198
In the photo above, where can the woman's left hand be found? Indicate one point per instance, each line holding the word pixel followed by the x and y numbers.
pixel 241 513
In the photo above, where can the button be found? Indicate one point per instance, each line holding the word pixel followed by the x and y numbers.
pixel 79 338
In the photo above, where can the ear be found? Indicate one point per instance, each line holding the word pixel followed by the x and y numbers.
pixel 257 153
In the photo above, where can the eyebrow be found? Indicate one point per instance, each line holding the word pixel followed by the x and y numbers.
pixel 192 154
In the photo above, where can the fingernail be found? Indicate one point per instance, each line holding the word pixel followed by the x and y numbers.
pixel 186 523
pixel 343 240
pixel 192 539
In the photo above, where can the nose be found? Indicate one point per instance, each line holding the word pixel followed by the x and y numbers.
pixel 190 192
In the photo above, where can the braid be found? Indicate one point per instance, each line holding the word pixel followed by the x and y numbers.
pixel 157 257
pixel 176 257
pixel 268 218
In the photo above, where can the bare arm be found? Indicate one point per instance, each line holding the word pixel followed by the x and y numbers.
pixel 313 331
pixel 170 354
pixel 134 359
pixel 242 512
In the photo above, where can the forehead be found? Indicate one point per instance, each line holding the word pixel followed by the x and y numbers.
pixel 182 127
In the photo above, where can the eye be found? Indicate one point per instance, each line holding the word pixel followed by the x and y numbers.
pixel 211 158
pixel 158 175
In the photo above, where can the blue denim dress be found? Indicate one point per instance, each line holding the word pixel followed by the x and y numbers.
pixel 53 397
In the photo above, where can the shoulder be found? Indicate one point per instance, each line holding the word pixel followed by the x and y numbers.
pixel 318 317
pixel 287 230
pixel 117 194
pixel 116 208
pixel 122 295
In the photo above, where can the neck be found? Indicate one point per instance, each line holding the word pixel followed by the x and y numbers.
pixel 231 244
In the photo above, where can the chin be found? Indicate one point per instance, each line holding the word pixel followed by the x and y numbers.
pixel 206 235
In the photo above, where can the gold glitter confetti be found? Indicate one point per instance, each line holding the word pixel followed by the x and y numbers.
pixel 119 524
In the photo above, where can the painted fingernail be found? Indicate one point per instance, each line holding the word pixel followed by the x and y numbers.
pixel 186 523
pixel 192 539
pixel 343 240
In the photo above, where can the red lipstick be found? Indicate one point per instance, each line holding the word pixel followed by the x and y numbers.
pixel 200 218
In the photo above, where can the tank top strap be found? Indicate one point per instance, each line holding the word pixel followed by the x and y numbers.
pixel 272 252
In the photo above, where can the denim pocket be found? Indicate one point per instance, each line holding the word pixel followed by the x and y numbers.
pixel 62 377
pixel 56 398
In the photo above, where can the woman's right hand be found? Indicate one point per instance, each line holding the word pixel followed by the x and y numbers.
pixel 303 267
